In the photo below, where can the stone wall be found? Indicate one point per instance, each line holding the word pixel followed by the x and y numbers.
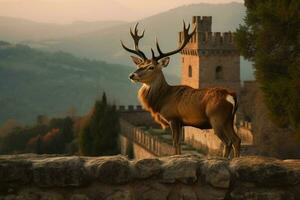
pixel 134 140
pixel 33 177
pixel 137 116
pixel 204 140
pixel 208 143
pixel 269 139
pixel 140 152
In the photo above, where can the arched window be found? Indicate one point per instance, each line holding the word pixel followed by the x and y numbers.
pixel 190 71
pixel 219 73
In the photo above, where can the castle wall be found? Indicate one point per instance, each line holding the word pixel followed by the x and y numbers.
pixel 141 153
pixel 125 145
pixel 230 77
pixel 246 133
pixel 137 116
pixel 136 143
pixel 203 140
pixel 208 143
pixel 134 150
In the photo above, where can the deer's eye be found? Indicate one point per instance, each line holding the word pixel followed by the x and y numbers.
pixel 151 68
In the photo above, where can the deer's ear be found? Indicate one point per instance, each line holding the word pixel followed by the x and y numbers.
pixel 136 60
pixel 164 62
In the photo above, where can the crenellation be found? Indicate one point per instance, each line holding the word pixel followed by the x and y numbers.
pixel 203 23
pixel 121 108
pixel 228 37
pixel 130 108
pixel 218 40
pixel 204 39
pixel 212 43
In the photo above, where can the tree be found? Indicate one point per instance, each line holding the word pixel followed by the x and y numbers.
pixel 270 38
pixel 99 134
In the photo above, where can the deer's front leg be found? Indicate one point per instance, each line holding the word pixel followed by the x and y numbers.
pixel 176 129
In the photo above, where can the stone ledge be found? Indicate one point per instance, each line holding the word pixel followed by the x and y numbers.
pixel 31 176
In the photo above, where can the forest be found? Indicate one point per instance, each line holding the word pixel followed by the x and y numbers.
pixel 93 134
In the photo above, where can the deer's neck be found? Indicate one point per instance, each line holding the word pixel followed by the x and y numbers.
pixel 152 95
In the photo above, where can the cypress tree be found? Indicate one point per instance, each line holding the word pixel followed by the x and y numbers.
pixel 270 38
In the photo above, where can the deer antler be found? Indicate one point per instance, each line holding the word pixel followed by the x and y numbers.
pixel 136 38
pixel 186 38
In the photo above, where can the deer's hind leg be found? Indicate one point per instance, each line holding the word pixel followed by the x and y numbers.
pixel 176 129
pixel 234 138
pixel 218 127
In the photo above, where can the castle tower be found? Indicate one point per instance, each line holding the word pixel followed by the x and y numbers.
pixel 210 59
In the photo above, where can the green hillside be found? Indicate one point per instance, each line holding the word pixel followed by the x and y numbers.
pixel 33 82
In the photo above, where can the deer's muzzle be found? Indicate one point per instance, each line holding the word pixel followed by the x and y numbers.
pixel 133 77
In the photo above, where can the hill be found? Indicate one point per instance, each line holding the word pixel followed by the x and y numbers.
pixel 16 30
pixel 105 44
pixel 33 82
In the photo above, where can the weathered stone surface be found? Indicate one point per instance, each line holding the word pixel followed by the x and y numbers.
pixel 112 170
pixel 263 171
pixel 152 190
pixel 34 195
pixel 120 194
pixel 242 193
pixel 180 168
pixel 187 193
pixel 37 177
pixel 59 171
pixel 206 192
pixel 79 197
pixel 216 173
pixel 13 170
pixel 147 167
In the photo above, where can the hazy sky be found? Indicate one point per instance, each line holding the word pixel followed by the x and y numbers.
pixel 66 11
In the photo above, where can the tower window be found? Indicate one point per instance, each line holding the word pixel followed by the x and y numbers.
pixel 219 73
pixel 190 71
pixel 182 59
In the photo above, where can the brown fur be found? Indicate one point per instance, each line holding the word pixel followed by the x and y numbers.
pixel 188 106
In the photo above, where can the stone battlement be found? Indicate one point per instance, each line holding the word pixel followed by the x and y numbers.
pixel 203 23
pixel 245 124
pixel 212 38
pixel 36 177
pixel 130 108
pixel 206 42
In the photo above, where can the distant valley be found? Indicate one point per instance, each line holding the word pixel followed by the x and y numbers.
pixel 34 83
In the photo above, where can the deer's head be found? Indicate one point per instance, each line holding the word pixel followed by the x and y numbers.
pixel 147 69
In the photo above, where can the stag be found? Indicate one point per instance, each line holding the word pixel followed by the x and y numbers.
pixel 181 105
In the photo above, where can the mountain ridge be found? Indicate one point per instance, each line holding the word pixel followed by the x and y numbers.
pixel 14 29
pixel 105 44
